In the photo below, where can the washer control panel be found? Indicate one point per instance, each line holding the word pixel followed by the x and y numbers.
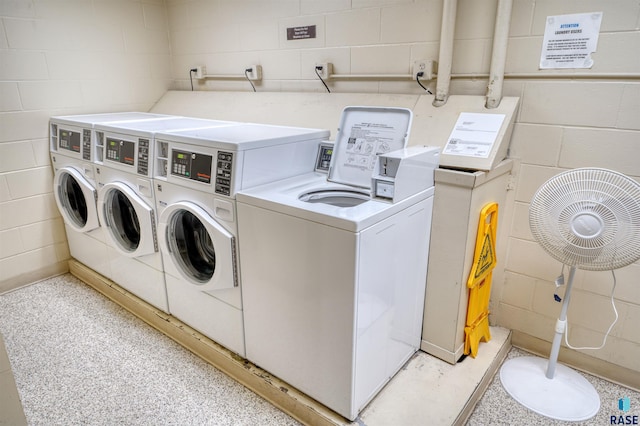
pixel 323 159
pixel 224 170
pixel 143 157
pixel 86 144
pixel 120 151
pixel 69 140
pixel 191 165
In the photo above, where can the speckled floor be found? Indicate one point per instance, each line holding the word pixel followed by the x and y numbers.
pixel 118 370
pixel 497 408
pixel 106 376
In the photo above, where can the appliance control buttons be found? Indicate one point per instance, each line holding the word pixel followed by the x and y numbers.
pixel 224 171
pixel 143 157
pixel 86 144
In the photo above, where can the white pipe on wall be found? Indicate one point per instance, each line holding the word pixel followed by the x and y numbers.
pixel 543 75
pixel 445 56
pixel 499 53
pixel 372 76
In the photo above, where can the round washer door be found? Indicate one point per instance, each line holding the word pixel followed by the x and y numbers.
pixel 76 199
pixel 128 219
pixel 199 247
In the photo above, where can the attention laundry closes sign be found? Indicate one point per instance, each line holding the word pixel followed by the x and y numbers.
pixel 569 40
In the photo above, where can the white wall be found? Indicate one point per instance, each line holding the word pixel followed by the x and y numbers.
pixel 64 57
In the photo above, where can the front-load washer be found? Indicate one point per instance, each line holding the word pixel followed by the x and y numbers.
pixel 333 280
pixel 126 204
pixel 73 153
pixel 196 180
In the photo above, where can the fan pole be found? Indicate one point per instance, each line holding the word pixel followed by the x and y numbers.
pixel 561 326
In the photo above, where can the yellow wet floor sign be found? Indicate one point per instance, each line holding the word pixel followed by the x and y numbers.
pixel 479 282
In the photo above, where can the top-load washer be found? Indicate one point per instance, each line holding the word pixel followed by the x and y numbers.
pixel 333 279
pixel 198 175
pixel 73 154
pixel 126 204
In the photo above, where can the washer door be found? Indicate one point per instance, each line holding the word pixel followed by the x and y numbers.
pixel 199 247
pixel 76 198
pixel 128 219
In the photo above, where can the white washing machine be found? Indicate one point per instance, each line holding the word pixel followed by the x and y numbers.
pixel 333 280
pixel 126 204
pixel 197 177
pixel 72 149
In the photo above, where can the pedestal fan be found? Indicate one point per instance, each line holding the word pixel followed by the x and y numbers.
pixel 589 219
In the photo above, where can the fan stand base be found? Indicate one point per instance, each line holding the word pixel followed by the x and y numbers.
pixel 568 396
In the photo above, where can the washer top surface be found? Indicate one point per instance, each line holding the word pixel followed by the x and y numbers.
pixel 108 117
pixel 151 127
pixel 243 136
pixel 284 197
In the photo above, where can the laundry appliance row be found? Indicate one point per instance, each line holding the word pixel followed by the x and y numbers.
pixel 308 258
pixel 75 189
pixel 102 185
pixel 111 168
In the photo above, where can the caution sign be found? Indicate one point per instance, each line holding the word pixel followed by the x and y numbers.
pixel 487 259
pixel 484 259
pixel 479 282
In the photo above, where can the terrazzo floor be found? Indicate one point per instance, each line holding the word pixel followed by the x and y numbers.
pixel 496 407
pixel 78 358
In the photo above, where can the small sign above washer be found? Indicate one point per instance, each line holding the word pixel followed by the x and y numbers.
pixel 299 33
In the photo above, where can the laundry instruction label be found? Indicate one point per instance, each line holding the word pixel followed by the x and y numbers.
pixel 366 141
pixel 474 134
pixel 365 133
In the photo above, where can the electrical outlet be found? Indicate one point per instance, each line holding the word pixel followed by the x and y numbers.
pixel 426 67
pixel 200 72
pixel 254 72
pixel 325 70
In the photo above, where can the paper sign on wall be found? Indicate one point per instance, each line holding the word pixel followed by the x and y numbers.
pixel 569 40
pixel 474 134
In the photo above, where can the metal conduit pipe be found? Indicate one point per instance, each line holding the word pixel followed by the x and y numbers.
pixel 553 76
pixel 499 53
pixel 445 56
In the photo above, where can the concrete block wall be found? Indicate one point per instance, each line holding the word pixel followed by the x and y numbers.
pixel 58 58
pixel 359 36
pixel 566 123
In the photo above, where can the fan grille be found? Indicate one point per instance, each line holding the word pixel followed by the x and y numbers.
pixel 588 218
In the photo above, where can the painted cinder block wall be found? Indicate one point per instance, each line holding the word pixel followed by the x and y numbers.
pixel 141 48
pixel 57 58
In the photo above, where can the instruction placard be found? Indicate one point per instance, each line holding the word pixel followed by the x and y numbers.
pixel 474 134
pixel 569 40
pixel 366 141
pixel 365 132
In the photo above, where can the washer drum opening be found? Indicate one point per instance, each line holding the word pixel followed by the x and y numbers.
pixel 336 197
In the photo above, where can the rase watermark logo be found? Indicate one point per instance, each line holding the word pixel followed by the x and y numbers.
pixel 624 405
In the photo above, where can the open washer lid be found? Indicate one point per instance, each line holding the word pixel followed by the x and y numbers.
pixel 364 133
